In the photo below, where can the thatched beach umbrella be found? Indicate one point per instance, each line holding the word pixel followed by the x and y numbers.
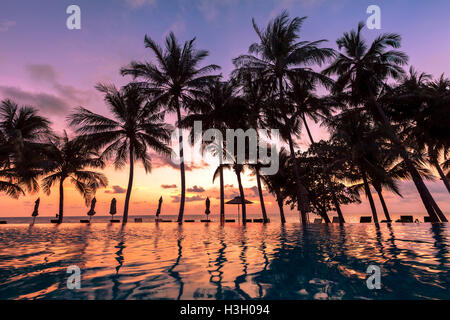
pixel 112 207
pixel 91 211
pixel 158 212
pixel 36 209
pixel 208 204
pixel 238 201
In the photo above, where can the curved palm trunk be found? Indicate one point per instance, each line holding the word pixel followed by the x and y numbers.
pixel 61 200
pixel 280 206
pixel 130 186
pixel 431 206
pixel 327 177
pixel 222 196
pixel 182 170
pixel 261 197
pixel 442 175
pixel 369 196
pixel 241 192
pixel 383 203
pixel 302 194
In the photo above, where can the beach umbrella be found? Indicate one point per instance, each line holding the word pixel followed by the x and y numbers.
pixel 91 211
pixel 238 201
pixel 158 212
pixel 36 209
pixel 208 204
pixel 112 207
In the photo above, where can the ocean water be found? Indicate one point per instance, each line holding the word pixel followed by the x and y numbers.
pixel 208 261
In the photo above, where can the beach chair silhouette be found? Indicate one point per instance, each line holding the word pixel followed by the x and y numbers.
pixel 318 220
pixel 365 219
pixel 406 219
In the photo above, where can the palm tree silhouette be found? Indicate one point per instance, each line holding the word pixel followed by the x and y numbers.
pixel 215 109
pixel 357 137
pixel 276 183
pixel 137 126
pixel 68 160
pixel 22 136
pixel 362 71
pixel 173 82
pixel 256 95
pixel 278 55
pixel 301 94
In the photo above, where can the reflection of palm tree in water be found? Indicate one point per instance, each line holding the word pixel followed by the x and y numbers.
pixel 170 271
pixel 441 252
pixel 266 265
pixel 120 259
pixel 243 277
pixel 216 275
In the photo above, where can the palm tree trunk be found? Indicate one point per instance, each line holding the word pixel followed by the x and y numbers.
pixel 302 194
pixel 222 196
pixel 130 186
pixel 383 203
pixel 327 176
pixel 432 208
pixel 182 170
pixel 442 175
pixel 261 197
pixel 61 200
pixel 241 191
pixel 280 206
pixel 369 196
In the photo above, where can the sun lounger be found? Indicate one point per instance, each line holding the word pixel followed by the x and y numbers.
pixel 84 221
pixel 137 219
pixel 3 222
pixel 205 220
pixel 258 220
pixel 230 220
pixel 54 221
pixel 189 220
pixel 365 220
pixel 406 219
pixel 114 221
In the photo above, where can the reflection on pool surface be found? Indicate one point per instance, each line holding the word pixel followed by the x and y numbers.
pixel 200 261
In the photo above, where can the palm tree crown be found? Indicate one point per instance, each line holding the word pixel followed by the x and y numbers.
pixel 137 128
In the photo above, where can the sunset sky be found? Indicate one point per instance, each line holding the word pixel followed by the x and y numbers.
pixel 44 64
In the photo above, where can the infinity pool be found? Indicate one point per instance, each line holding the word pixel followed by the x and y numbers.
pixel 201 261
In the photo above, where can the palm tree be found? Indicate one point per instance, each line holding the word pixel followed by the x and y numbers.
pixel 137 126
pixel 238 170
pixel 276 183
pixel 277 55
pixel 256 95
pixel 173 82
pixel 362 71
pixel 22 136
pixel 216 109
pixel 432 123
pixel 309 105
pixel 68 160
pixel 359 141
pixel 420 106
